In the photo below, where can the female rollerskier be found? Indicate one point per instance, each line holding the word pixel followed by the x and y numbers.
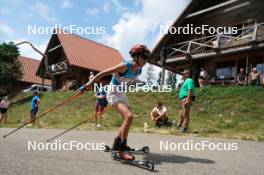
pixel 123 72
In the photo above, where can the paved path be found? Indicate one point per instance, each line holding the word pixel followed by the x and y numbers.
pixel 15 158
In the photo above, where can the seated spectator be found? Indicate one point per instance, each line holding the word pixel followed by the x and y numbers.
pixel 242 78
pixel 159 114
pixel 254 77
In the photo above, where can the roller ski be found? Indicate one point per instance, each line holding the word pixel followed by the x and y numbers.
pixel 144 149
pixel 120 152
pixel 141 163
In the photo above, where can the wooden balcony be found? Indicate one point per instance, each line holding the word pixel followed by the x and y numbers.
pixel 251 37
pixel 59 68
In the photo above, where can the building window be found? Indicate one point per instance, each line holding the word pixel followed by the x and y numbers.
pixel 225 70
pixel 260 68
pixel 224 73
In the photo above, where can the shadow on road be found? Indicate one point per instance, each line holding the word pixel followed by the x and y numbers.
pixel 172 158
pixel 88 160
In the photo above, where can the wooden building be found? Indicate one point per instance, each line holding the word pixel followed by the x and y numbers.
pixel 70 60
pixel 221 54
pixel 29 70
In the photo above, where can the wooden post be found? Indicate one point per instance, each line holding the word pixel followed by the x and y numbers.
pixel 163 55
pixel 42 84
pixel 236 66
pixel 162 76
pixel 255 33
pixel 247 70
pixel 53 81
pixel 218 41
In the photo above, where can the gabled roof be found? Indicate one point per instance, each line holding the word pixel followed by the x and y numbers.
pixel 85 53
pixel 29 68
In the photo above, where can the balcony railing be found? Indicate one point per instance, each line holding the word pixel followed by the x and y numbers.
pixel 58 68
pixel 205 45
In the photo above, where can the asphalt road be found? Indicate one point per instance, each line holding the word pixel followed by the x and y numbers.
pixel 15 158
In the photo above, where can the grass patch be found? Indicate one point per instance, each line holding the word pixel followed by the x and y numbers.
pixel 227 112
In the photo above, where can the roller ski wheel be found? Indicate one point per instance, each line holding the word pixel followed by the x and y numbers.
pixel 150 165
pixel 107 148
pixel 114 155
pixel 145 149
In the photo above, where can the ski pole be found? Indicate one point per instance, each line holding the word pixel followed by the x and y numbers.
pixel 43 114
pixel 75 126
pixel 66 131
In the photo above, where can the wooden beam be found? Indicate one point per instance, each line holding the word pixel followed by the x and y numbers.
pixel 201 44
pixel 54 48
pixel 237 7
pixel 179 50
pixel 211 8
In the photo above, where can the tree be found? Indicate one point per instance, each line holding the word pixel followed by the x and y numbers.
pixel 150 75
pixel 10 67
pixel 171 80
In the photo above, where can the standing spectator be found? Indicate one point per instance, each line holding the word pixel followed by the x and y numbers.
pixel 254 77
pixel 242 78
pixel 90 79
pixel 91 76
pixel 159 114
pixel 203 77
pixel 4 107
pixel 101 103
pixel 186 97
pixel 34 107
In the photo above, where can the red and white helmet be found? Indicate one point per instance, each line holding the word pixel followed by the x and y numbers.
pixel 139 50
